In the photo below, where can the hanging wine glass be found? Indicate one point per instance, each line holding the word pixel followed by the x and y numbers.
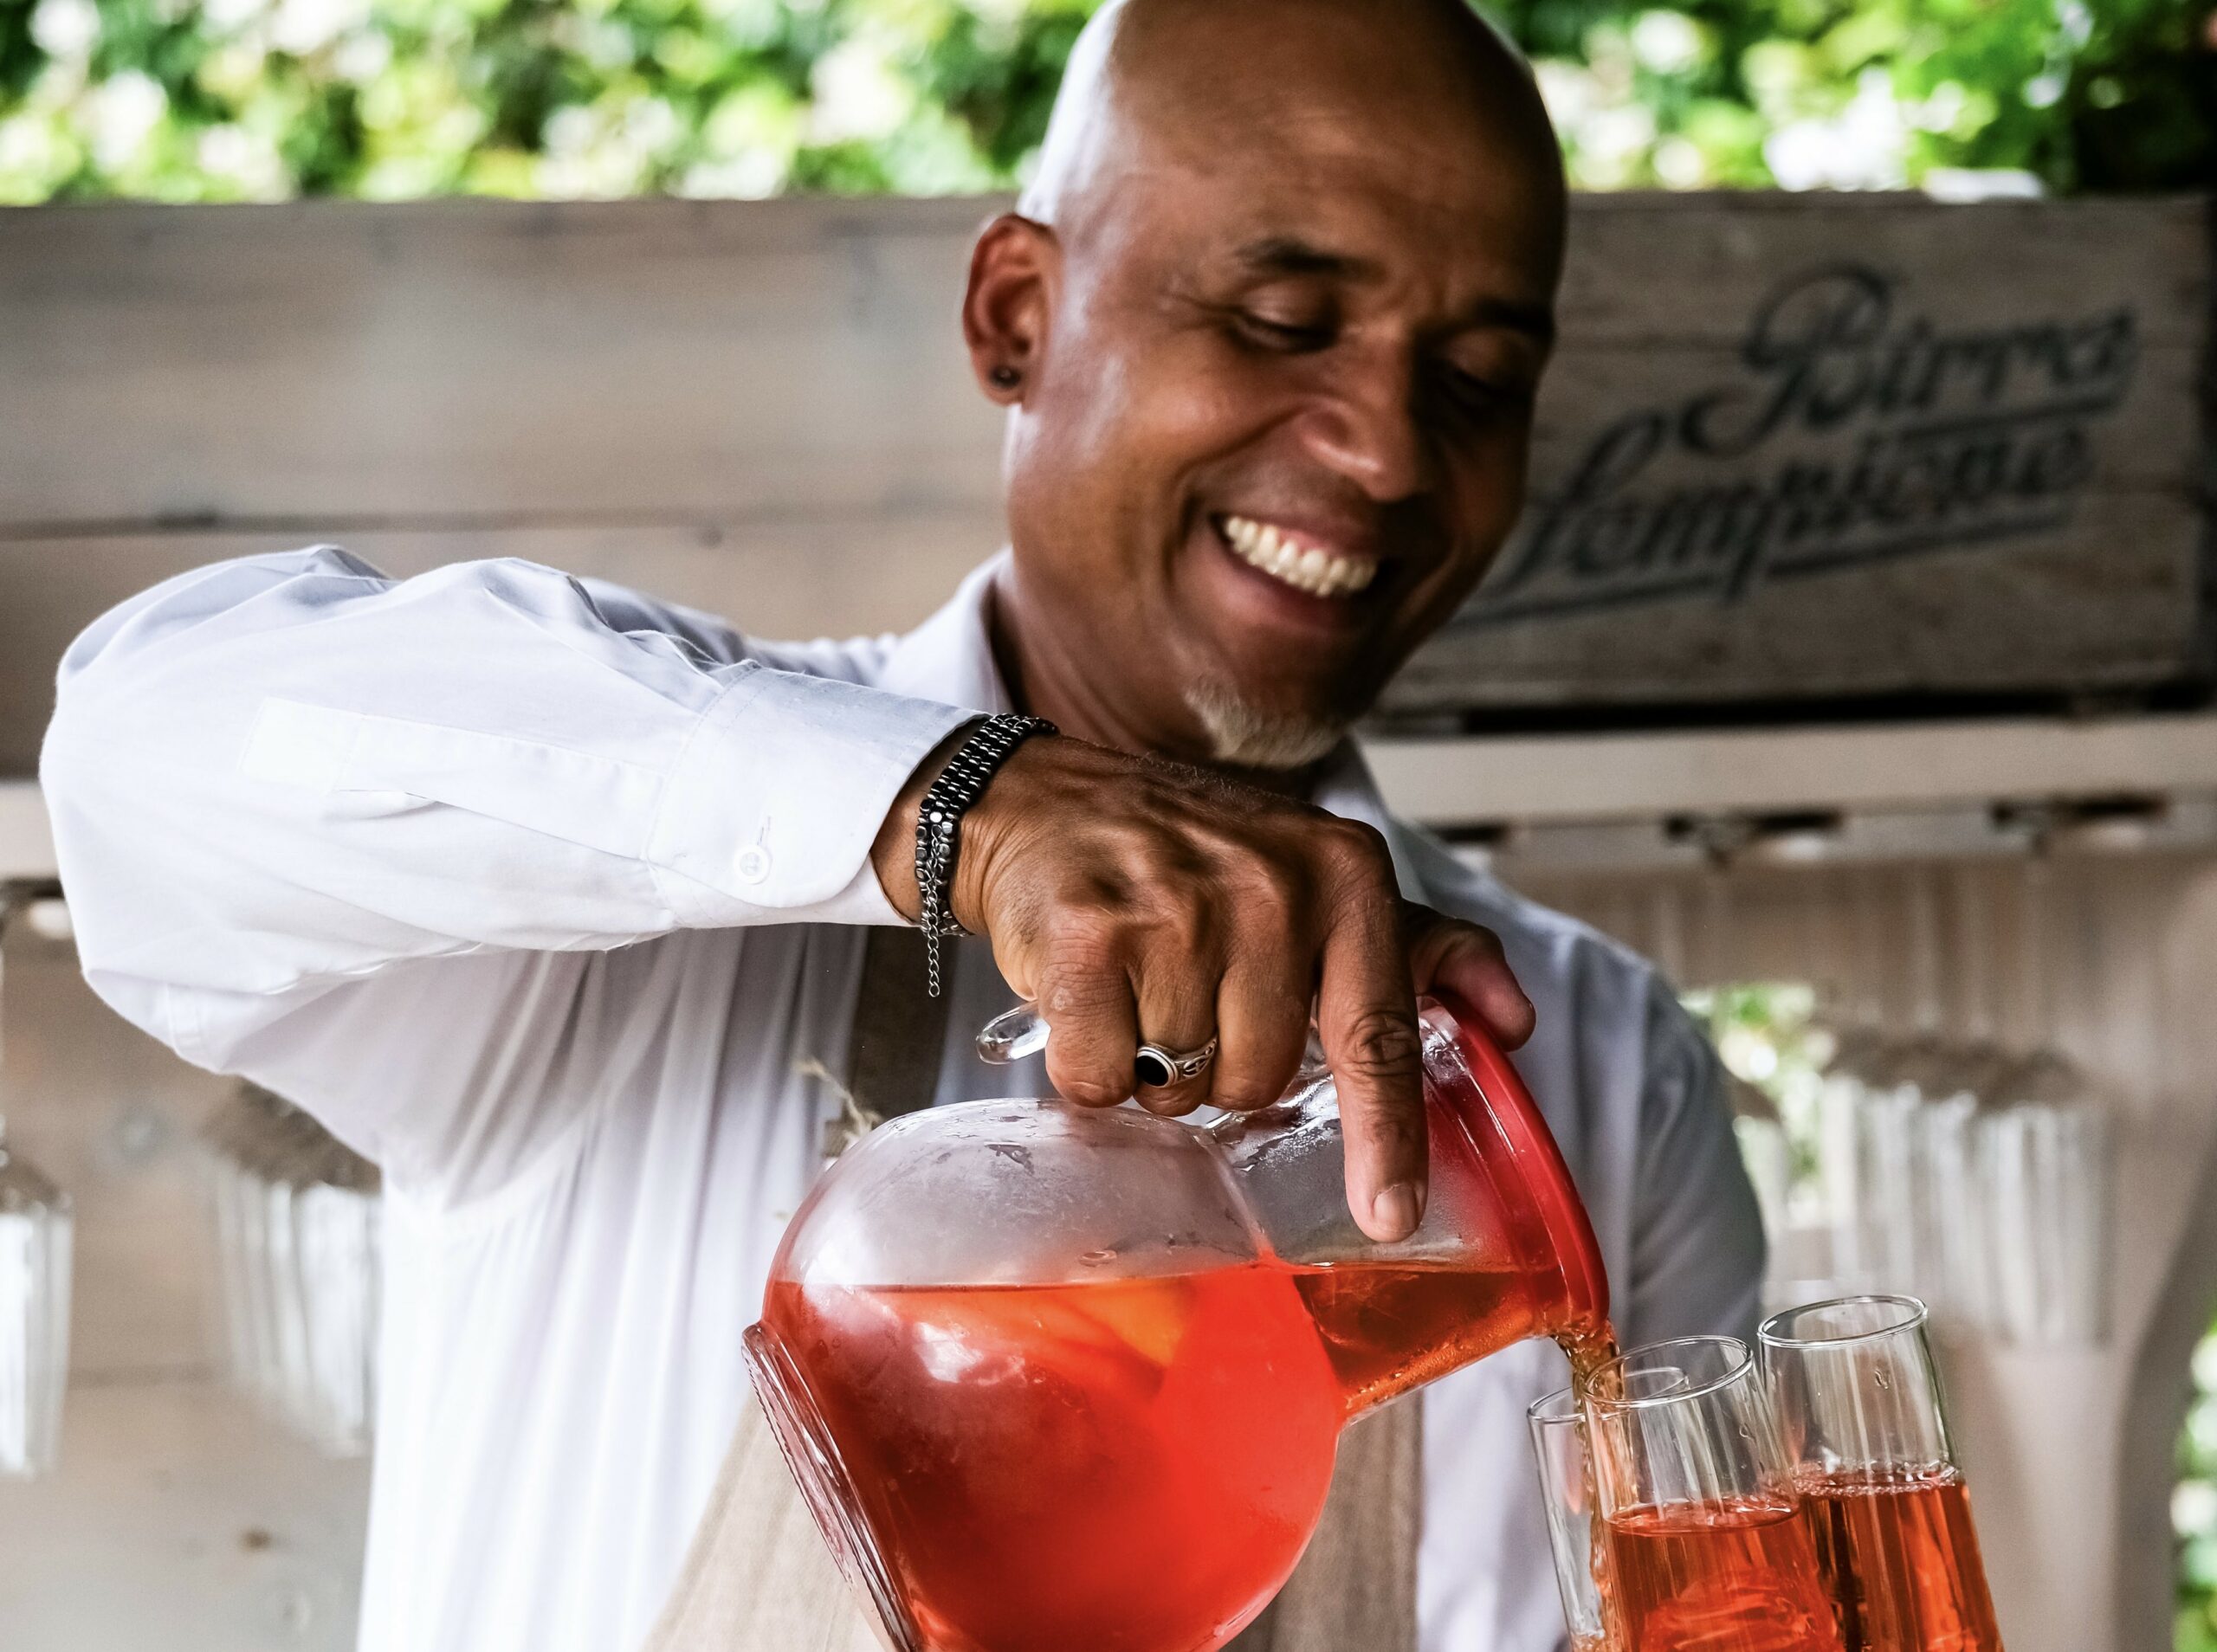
pixel 36 1234
pixel 2047 1167
pixel 297 1223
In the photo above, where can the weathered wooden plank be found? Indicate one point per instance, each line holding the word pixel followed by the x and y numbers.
pixel 1648 270
pixel 2109 601
pixel 824 576
pixel 1907 477
pixel 1792 446
pixel 407 361
pixel 654 357
pixel 1602 406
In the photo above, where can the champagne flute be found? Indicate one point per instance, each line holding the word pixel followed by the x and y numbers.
pixel 1706 1541
pixel 1854 1387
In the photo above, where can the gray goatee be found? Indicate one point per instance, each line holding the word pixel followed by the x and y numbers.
pixel 1242 737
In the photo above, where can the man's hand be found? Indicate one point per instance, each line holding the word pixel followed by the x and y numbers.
pixel 1137 901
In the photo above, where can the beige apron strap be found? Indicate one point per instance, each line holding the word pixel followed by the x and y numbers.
pixel 900 1028
pixel 758 1577
pixel 1355 1589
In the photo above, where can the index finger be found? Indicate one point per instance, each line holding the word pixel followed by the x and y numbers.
pixel 1367 1015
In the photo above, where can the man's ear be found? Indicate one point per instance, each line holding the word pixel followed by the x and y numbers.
pixel 1005 313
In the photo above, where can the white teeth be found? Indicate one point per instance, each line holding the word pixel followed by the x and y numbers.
pixel 1311 568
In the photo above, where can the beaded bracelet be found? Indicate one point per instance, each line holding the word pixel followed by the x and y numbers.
pixel 939 821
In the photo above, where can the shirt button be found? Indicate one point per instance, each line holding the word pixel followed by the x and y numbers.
pixel 753 865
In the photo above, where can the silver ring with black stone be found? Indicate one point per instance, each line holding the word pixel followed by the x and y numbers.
pixel 1157 1068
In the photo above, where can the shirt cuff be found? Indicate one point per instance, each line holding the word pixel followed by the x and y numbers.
pixel 779 796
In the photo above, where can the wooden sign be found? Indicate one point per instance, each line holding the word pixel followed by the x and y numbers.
pixel 1822 447
pixel 1793 449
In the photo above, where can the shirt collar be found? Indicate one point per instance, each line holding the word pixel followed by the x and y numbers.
pixel 949 658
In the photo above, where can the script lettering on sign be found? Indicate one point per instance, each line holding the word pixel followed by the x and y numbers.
pixel 1855 432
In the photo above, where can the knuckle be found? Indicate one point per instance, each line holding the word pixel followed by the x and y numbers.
pixel 1071 993
pixel 1478 938
pixel 1356 849
pixel 1272 896
pixel 1381 1046
pixel 1188 918
pixel 1453 938
pixel 1103 892
pixel 1081 949
pixel 1400 1131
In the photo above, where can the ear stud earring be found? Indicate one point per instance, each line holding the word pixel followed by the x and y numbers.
pixel 1006 378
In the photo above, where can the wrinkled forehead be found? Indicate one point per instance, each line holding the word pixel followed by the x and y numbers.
pixel 1440 172
pixel 1444 209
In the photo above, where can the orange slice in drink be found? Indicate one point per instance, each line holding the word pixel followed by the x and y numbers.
pixel 1149 1316
pixel 1117 1336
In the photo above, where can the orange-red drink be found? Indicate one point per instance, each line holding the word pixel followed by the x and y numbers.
pixel 1734 1576
pixel 1127 1467
pixel 1388 1330
pixel 1131 1465
pixel 1903 1562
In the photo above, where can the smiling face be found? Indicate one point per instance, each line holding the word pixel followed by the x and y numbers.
pixel 1277 343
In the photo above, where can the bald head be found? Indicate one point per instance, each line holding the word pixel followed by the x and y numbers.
pixel 1164 81
pixel 1269 323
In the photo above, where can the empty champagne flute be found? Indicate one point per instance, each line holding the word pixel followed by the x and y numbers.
pixel 1706 1538
pixel 2049 1178
pixel 297 1218
pixel 1558 1425
pixel 1852 1385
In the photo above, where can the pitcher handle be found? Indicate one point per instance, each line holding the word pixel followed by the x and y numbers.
pixel 1011 1036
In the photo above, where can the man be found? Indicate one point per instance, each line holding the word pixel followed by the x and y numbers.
pixel 546 896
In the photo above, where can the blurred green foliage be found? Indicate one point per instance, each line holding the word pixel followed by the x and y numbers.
pixel 218 99
pixel 1768 1034
pixel 2194 1509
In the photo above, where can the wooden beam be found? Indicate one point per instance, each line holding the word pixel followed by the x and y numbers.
pixel 1616 776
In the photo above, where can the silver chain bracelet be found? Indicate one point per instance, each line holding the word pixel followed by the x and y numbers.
pixel 951 795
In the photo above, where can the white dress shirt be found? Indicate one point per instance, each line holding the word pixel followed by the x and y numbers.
pixel 542 894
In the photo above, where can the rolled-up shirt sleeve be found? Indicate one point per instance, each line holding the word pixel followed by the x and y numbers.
pixel 275 777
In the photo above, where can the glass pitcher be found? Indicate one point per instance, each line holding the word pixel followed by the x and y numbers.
pixel 1051 1377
